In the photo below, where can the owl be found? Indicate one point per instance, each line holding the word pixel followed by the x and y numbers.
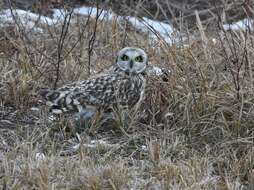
pixel 122 87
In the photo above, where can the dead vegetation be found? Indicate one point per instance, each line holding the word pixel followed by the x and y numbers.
pixel 193 131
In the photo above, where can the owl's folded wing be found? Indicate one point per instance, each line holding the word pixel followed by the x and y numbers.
pixel 74 97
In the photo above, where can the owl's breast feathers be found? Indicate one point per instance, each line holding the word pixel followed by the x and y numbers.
pixel 102 92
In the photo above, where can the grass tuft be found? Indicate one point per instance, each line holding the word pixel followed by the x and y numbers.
pixel 194 130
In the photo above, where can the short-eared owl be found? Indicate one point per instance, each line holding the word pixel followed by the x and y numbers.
pixel 123 86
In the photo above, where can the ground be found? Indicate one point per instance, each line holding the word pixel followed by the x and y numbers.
pixel 194 130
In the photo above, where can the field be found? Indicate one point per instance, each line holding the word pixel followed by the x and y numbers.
pixel 194 130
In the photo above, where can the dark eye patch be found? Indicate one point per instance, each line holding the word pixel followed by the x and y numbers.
pixel 124 58
pixel 139 59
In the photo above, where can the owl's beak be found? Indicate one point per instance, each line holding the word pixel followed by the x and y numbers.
pixel 131 64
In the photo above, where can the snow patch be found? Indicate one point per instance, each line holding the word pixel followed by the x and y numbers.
pixel 95 144
pixel 144 24
pixel 29 20
pixel 93 12
pixel 153 27
pixel 240 25
pixel 40 156
pixel 156 71
pixel 26 19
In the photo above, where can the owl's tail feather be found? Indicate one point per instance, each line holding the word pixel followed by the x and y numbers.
pixel 58 101
pixel 47 99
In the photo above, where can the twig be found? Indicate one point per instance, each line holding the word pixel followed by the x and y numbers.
pixel 93 37
pixel 61 41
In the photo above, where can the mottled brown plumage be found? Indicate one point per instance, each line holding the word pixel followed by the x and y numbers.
pixel 123 86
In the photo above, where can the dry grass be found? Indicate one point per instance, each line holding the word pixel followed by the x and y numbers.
pixel 193 131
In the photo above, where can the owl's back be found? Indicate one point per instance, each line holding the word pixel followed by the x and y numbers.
pixel 103 92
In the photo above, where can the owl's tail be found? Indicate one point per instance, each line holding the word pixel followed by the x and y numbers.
pixel 56 101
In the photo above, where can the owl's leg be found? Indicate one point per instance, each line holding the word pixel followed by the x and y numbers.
pixel 84 118
pixel 122 118
pixel 93 119
pixel 86 114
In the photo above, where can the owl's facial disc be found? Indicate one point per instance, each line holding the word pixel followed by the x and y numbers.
pixel 132 60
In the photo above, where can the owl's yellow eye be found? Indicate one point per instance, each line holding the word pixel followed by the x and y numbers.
pixel 139 59
pixel 125 58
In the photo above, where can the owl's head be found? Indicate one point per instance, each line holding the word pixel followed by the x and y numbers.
pixel 132 60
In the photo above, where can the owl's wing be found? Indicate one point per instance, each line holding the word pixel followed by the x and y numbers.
pixel 92 93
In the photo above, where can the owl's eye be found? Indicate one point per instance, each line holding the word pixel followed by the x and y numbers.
pixel 139 59
pixel 125 58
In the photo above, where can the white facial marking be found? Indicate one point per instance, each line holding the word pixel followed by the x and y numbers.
pixel 127 60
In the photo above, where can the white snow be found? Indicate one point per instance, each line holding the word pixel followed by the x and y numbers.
pixel 26 19
pixel 154 28
pixel 40 156
pixel 156 71
pixel 141 23
pixel 58 14
pixel 7 16
pixel 95 144
pixel 93 12
pixel 242 24
pixel 143 147
pixel 146 25
pixel 86 11
pixel 29 20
